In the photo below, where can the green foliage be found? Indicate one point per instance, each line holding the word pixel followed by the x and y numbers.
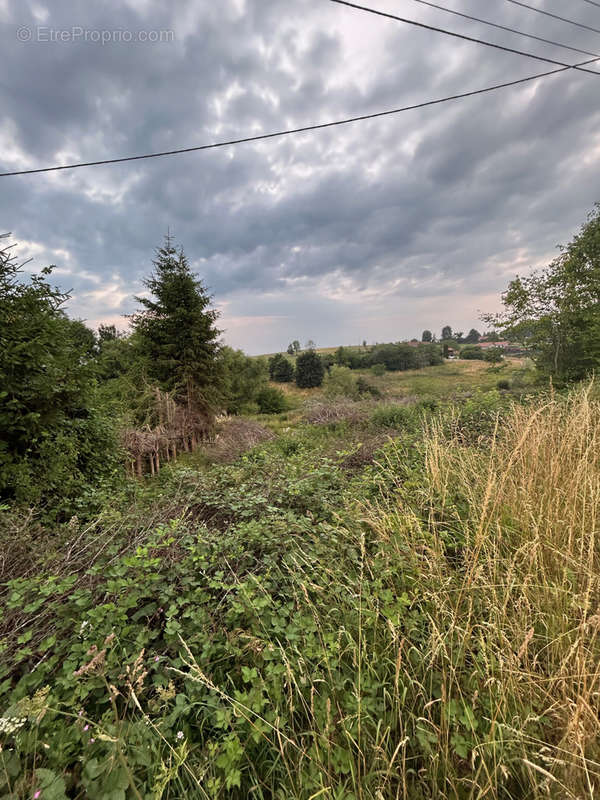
pixel 309 370
pixel 394 416
pixel 175 332
pixel 446 332
pixel 397 357
pixel 494 355
pixel 473 353
pixel 340 382
pixel 243 378
pixel 56 443
pixel 378 370
pixel 472 337
pixel 557 311
pixel 271 400
pixel 281 368
pixel 364 387
pixel 427 336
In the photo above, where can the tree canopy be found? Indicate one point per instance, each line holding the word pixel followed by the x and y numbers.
pixel 556 311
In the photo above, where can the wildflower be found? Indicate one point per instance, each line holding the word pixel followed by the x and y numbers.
pixel 92 740
pixel 37 794
pixel 179 736
pixel 86 727
pixel 156 658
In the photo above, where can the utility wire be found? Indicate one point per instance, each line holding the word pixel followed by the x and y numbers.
pixel 592 3
pixel 459 35
pixel 555 16
pixel 504 27
pixel 304 129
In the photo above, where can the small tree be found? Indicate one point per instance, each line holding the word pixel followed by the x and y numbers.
pixel 281 369
pixel 426 336
pixel 176 333
pixel 309 370
pixel 296 346
pixel 54 444
pixel 446 332
pixel 310 345
pixel 290 349
pixel 559 308
pixel 472 337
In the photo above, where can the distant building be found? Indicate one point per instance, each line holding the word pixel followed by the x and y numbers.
pixel 488 345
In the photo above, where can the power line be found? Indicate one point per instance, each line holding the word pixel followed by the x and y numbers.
pixel 458 35
pixel 504 27
pixel 592 3
pixel 555 16
pixel 304 129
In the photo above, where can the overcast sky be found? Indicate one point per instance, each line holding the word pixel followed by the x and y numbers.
pixel 373 231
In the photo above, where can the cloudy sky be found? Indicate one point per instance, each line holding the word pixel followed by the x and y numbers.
pixel 373 230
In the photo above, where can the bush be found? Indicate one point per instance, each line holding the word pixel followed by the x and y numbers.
pixel 309 370
pixel 472 352
pixel 281 369
pixel 57 443
pixel 394 416
pixel 504 384
pixel 271 400
pixel 364 387
pixel 341 383
pixel 494 355
pixel 243 379
pixel 378 370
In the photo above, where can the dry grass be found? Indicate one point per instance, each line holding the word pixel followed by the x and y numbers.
pixel 236 435
pixel 343 409
pixel 515 612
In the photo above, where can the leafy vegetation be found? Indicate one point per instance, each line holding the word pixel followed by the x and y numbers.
pixel 379 581
pixel 556 310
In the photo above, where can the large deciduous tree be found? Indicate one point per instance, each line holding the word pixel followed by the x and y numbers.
pixel 176 332
pixel 557 311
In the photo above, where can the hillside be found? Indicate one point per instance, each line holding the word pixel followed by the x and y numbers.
pixel 376 599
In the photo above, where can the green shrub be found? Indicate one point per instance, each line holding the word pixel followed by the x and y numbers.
pixel 503 384
pixel 340 382
pixel 394 416
pixel 378 370
pixel 472 352
pixel 281 369
pixel 309 370
pixel 364 387
pixel 494 355
pixel 57 443
pixel 271 401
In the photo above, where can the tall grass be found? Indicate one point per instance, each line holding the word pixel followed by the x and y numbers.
pixel 460 654
pixel 439 638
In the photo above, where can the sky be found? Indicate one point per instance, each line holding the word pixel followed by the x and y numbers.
pixel 370 231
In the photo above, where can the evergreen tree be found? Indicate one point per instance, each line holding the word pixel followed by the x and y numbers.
pixel 176 333
pixel 280 369
pixel 472 337
pixel 309 370
pixel 427 336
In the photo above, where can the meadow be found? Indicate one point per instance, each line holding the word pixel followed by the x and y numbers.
pixel 390 598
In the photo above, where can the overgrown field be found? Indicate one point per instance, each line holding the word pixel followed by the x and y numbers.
pixel 396 598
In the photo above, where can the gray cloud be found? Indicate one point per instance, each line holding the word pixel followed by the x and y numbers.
pixel 373 230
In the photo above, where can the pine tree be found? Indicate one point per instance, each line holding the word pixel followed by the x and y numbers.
pixel 176 333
